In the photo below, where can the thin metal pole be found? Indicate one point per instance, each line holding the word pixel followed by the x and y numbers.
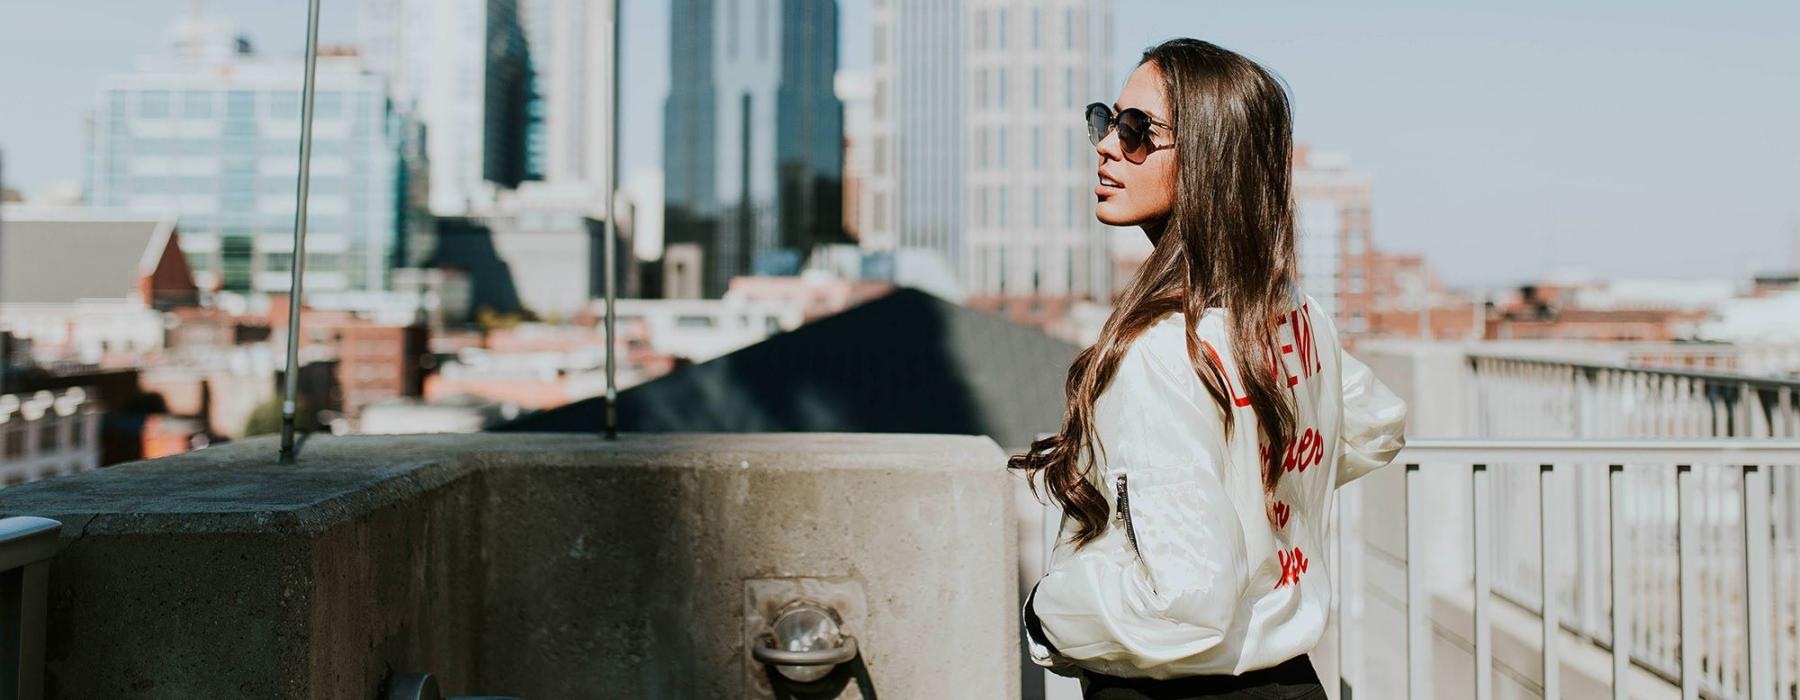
pixel 298 270
pixel 1758 605
pixel 1621 591
pixel 1687 507
pixel 1549 603
pixel 1416 678
pixel 612 225
pixel 5 347
pixel 1483 521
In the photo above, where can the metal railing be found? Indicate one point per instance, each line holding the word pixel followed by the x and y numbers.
pixel 1681 483
pixel 1709 597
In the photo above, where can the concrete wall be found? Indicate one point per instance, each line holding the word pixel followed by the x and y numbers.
pixel 535 565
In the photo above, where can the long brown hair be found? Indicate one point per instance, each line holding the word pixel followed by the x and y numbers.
pixel 1228 242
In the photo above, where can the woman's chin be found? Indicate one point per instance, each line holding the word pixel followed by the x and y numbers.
pixel 1114 213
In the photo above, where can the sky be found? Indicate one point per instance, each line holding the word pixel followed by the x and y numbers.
pixel 1636 138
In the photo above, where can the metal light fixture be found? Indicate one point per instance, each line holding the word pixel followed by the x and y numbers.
pixel 807 654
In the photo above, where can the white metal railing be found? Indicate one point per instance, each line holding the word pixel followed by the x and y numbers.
pixel 1697 542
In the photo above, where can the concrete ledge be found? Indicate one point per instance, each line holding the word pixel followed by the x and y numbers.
pixel 546 566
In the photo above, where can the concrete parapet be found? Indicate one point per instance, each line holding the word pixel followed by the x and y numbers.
pixel 542 566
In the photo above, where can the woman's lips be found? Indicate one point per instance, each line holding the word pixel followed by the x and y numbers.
pixel 1107 186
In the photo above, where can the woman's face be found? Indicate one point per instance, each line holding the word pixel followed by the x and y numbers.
pixel 1141 189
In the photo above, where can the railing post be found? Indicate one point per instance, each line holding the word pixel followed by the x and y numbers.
pixel 1550 607
pixel 26 546
pixel 1621 597
pixel 1484 546
pixel 1687 561
pixel 1757 604
pixel 1416 640
pixel 1343 558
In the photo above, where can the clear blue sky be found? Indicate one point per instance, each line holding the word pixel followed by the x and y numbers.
pixel 1634 138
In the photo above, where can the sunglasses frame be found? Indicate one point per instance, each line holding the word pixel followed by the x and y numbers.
pixel 1132 139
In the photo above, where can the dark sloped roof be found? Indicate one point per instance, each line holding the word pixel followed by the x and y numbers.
pixel 56 261
pixel 907 362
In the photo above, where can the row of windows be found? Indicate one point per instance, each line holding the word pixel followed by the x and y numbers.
pixel 50 432
pixel 990 148
pixel 991 28
pixel 990 91
pixel 991 271
pixel 204 104
pixel 992 210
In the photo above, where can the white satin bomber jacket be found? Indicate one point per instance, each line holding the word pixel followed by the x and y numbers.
pixel 1199 573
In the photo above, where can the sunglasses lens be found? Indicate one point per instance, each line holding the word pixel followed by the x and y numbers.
pixel 1132 125
pixel 1099 121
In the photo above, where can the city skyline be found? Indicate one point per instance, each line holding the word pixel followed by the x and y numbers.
pixel 1468 167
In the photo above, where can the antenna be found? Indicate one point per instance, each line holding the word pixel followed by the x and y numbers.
pixel 612 225
pixel 298 268
pixel 5 340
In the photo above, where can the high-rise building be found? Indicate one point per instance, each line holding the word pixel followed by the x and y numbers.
pixel 463 69
pixel 977 150
pixel 209 131
pixel 753 136
pixel 1333 235
pixel 571 58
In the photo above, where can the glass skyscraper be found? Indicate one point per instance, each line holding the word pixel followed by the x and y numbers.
pixel 753 135
pixel 211 133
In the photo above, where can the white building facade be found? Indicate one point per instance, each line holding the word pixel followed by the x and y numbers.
pixel 977 148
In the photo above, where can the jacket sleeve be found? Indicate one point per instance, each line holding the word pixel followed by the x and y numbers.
pixel 1168 587
pixel 1374 426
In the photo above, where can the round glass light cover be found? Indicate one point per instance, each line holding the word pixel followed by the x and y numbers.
pixel 806 627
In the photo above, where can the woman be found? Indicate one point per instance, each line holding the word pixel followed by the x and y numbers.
pixel 1208 427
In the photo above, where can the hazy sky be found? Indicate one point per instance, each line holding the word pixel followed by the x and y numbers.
pixel 1623 137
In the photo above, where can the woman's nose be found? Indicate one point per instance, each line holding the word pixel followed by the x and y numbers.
pixel 1108 147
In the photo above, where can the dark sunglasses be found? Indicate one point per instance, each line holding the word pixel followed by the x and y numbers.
pixel 1133 125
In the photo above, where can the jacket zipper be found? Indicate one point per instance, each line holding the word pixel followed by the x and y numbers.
pixel 1125 513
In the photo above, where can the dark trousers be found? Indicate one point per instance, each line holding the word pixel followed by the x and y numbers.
pixel 1293 679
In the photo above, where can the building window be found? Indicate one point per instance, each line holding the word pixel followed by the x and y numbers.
pixel 880 156
pixel 981 30
pixel 1001 287
pixel 1037 21
pixel 153 104
pixel 1069 28
pixel 981 87
pixel 14 439
pixel 1037 147
pixel 1037 215
pixel 1069 88
pixel 1069 209
pixel 732 28
pixel 1000 36
pixel 197 105
pixel 47 441
pixel 274 261
pixel 1000 148
pixel 1002 208
pixel 881 99
pixel 1037 84
pixel 1000 89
